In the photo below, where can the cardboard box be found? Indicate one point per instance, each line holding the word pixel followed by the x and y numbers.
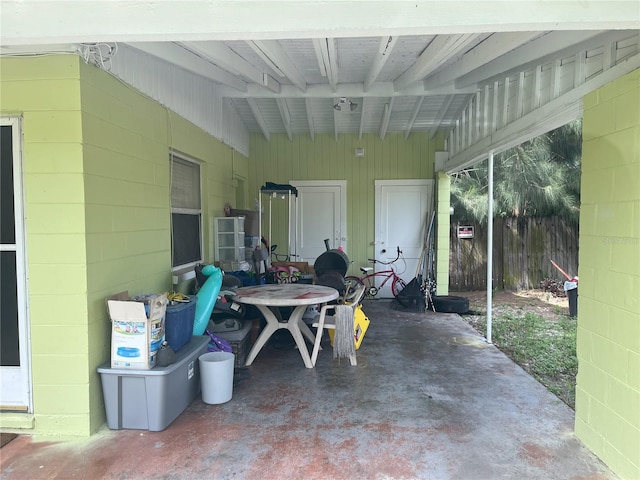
pixel 137 330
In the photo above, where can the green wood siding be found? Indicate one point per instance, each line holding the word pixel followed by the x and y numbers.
pixel 324 158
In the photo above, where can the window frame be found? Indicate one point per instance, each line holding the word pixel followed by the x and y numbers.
pixel 184 159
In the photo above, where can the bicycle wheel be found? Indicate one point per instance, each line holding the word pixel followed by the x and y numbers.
pixel 369 292
pixel 372 292
pixel 350 284
pixel 397 286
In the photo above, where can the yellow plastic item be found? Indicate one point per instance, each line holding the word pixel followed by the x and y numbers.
pixel 360 326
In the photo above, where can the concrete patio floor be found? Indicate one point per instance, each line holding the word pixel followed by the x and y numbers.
pixel 429 399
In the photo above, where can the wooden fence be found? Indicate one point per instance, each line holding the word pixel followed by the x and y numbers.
pixel 522 252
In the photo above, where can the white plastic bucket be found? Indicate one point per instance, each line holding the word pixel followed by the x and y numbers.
pixel 216 376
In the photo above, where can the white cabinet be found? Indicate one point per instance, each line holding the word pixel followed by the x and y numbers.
pixel 229 241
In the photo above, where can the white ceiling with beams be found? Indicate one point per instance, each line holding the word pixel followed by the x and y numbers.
pixel 486 74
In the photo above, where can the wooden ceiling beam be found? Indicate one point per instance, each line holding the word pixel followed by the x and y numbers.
pixel 491 48
pixel 386 118
pixel 543 49
pixel 350 90
pixel 221 55
pixel 178 55
pixel 414 115
pixel 30 21
pixel 384 52
pixel 437 52
pixel 283 107
pixel 362 107
pixel 307 103
pixel 327 56
pixel 444 108
pixel 259 118
pixel 274 55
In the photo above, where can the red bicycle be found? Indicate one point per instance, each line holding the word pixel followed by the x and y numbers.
pixel 368 279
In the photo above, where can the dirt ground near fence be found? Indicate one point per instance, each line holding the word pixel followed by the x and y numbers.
pixel 536 301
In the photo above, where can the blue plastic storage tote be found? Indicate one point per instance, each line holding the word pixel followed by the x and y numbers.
pixel 178 323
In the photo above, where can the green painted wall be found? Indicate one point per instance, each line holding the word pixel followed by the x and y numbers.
pixel 324 158
pixel 97 193
pixel 608 386
pixel 46 92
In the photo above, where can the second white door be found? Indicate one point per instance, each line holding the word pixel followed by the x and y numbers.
pixel 401 211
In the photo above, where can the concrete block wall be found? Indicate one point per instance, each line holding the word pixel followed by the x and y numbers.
pixel 97 201
pixel 608 384
pixel 46 93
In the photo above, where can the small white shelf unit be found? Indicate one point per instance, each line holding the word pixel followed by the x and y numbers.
pixel 229 234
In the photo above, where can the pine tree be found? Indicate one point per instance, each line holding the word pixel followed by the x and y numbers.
pixel 540 177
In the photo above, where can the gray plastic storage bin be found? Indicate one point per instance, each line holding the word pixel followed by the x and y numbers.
pixel 152 399
pixel 240 343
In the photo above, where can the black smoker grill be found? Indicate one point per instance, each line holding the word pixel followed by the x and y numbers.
pixel 331 267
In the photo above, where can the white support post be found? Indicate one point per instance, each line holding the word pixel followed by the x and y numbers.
pixel 292 232
pixel 259 217
pixel 270 221
pixel 490 246
pixel 295 229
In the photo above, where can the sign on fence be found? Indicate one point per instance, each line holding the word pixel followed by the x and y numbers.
pixel 523 248
pixel 465 231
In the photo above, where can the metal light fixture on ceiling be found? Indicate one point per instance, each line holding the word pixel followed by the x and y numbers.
pixel 344 101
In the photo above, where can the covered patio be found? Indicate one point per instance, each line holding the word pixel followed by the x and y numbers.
pixel 428 399
pixel 100 100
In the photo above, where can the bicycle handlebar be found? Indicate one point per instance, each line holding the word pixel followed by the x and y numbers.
pixel 399 252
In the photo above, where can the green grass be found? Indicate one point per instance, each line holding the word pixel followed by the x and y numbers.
pixel 545 348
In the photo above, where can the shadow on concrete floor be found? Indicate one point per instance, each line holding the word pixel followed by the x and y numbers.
pixel 428 399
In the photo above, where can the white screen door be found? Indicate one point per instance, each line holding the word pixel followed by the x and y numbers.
pixel 322 214
pixel 401 211
pixel 14 354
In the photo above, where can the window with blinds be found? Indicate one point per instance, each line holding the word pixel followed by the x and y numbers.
pixel 186 212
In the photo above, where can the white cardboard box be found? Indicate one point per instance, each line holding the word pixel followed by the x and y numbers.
pixel 137 330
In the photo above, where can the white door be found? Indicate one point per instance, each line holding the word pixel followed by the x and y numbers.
pixel 14 354
pixel 322 214
pixel 401 211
